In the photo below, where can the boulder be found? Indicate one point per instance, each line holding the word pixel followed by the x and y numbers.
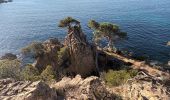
pixel 9 56
pixel 168 44
pixel 168 63
pixel 25 90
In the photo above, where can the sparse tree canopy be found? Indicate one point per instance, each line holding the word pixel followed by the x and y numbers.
pixel 66 22
pixel 93 24
pixel 107 30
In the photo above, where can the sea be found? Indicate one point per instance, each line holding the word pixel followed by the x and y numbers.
pixel 147 23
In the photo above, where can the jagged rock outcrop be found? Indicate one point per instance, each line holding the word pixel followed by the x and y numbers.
pixel 91 88
pixel 143 88
pixel 82 54
pixel 24 90
pixel 49 55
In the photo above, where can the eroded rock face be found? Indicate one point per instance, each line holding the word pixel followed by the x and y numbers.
pixel 145 88
pixel 20 90
pixel 82 54
pixel 91 88
pixel 49 57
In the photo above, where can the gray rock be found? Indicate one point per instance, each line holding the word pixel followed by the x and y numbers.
pixel 9 56
pixel 25 90
pixel 168 44
pixel 91 88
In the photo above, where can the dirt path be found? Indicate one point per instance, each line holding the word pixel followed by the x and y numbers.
pixel 140 65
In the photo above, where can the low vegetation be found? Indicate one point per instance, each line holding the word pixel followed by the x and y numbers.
pixel 115 78
pixel 30 73
pixel 35 49
pixel 13 69
pixel 10 69
pixel 48 75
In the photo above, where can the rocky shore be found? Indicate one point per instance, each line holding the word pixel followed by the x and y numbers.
pixel 79 70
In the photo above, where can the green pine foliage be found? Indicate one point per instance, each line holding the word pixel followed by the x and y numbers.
pixel 67 21
pixel 107 30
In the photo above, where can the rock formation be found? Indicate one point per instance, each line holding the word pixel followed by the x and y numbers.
pixel 82 54
pixel 49 55
pixel 92 88
pixel 20 90
pixel 168 44
pixel 143 87
pixel 9 56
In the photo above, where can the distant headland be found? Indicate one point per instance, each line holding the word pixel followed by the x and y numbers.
pixel 5 1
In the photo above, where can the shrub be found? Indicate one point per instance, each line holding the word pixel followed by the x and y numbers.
pixel 30 73
pixel 115 78
pixel 62 55
pixel 35 49
pixel 10 69
pixel 48 75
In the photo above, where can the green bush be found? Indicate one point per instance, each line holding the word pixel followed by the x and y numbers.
pixel 30 73
pixel 35 49
pixel 115 78
pixel 10 69
pixel 48 74
pixel 62 55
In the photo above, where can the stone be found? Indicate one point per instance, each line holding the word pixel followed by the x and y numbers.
pixel 9 56
pixel 168 44
pixel 143 89
pixel 91 88
pixel 25 90
pixel 49 57
pixel 168 63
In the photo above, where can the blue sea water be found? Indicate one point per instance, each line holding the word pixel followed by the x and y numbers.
pixel 147 22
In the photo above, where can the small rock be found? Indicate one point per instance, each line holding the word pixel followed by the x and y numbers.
pixel 168 44
pixel 9 56
pixel 168 63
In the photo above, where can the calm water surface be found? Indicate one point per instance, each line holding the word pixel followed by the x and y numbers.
pixel 146 21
